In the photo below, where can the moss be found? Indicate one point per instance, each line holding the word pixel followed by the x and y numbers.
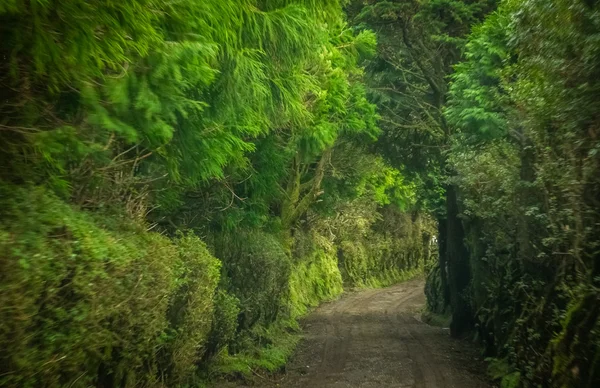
pixel 314 279
pixel 574 349
pixel 259 358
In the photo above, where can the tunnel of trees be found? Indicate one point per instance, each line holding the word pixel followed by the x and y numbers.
pixel 182 180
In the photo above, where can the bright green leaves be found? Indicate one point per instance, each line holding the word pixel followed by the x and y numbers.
pixel 478 98
pixel 390 187
pixel 339 105
pixel 193 84
pixel 246 122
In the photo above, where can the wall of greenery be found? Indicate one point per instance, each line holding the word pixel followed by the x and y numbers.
pixel 181 181
pixel 525 105
pixel 492 109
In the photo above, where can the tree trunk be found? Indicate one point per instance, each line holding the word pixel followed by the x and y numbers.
pixel 442 237
pixel 459 271
pixel 299 196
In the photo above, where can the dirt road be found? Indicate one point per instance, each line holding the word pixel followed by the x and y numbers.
pixel 374 338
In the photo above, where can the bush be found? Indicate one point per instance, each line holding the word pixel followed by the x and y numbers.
pixel 256 269
pixel 224 327
pixel 355 263
pixel 95 299
pixel 190 312
pixel 380 262
pixel 315 275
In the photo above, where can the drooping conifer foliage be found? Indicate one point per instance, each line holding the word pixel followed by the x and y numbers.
pixel 182 180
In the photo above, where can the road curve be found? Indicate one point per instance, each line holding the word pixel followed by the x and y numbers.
pixel 374 338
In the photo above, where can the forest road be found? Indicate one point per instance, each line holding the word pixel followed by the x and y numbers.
pixel 374 338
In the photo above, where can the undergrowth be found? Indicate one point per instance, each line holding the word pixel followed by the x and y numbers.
pixel 266 356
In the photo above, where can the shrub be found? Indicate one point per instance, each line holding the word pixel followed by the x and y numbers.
pixel 355 263
pixel 95 299
pixel 77 297
pixel 315 276
pixel 380 261
pixel 256 269
pixel 224 327
pixel 190 311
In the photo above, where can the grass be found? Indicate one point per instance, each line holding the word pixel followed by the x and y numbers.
pixel 278 344
pixel 439 320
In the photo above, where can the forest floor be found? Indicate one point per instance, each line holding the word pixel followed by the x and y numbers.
pixel 375 338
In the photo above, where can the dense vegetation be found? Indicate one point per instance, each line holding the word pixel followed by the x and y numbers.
pixel 182 180
pixel 493 106
pixel 525 107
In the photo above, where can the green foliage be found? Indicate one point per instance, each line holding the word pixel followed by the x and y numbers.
pixel 500 370
pixel 46 47
pixel 418 43
pixel 478 101
pixel 92 298
pixel 527 171
pixel 378 264
pixel 190 311
pixel 225 322
pixel 261 292
pixel 134 132
pixel 378 246
pixel 315 275
pixel 279 342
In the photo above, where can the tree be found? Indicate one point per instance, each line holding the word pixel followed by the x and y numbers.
pixel 527 173
pixel 419 44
